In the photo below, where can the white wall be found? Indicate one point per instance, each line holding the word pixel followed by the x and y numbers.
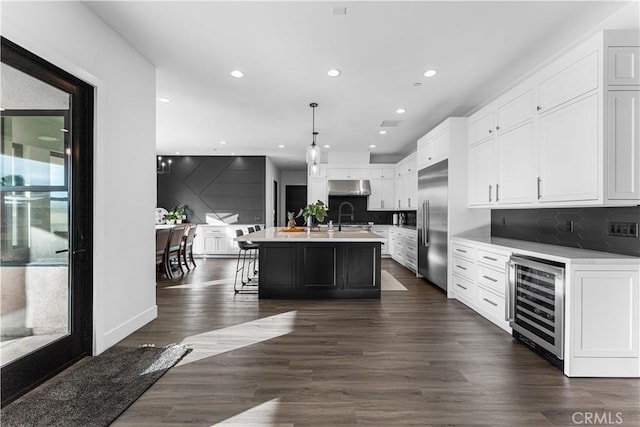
pixel 272 173
pixel 71 37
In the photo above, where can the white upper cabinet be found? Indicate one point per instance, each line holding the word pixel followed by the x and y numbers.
pixel 406 184
pixel 623 156
pixel 433 147
pixel 515 111
pixel 568 83
pixel 481 126
pixel 482 173
pixel 623 64
pixel 514 151
pixel 567 136
pixel 348 173
pixel 568 153
pixel 382 187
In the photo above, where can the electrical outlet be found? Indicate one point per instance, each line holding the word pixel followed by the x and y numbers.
pixel 568 227
pixel 623 229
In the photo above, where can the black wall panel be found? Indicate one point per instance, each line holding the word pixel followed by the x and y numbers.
pixel 590 227
pixel 223 185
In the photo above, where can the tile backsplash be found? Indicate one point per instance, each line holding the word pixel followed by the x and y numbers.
pixel 585 228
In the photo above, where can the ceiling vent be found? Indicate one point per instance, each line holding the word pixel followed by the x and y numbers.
pixel 338 10
pixel 390 123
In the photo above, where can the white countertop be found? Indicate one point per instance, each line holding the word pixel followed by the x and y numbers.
pixel 551 252
pixel 275 234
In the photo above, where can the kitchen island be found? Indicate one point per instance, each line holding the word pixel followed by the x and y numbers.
pixel 318 264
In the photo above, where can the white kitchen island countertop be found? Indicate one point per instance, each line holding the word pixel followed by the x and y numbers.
pixel 275 234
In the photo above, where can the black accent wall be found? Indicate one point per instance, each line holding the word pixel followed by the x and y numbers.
pixel 221 184
pixel 590 227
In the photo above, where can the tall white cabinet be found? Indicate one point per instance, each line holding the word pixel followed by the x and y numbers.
pixel 567 136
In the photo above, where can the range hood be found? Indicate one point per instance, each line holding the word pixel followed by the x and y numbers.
pixel 349 187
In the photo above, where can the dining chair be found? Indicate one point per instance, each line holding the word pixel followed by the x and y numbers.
pixel 174 249
pixel 245 251
pixel 187 246
pixel 258 228
pixel 162 243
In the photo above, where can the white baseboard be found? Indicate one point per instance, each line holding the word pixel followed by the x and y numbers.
pixel 125 329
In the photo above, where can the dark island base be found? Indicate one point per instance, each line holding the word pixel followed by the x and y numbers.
pixel 319 270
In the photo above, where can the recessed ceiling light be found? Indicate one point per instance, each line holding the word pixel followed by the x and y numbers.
pixel 164 99
pixel 223 142
pixel 417 84
pixel 401 110
pixel 237 74
pixel 47 138
pixel 430 73
pixel 382 132
pixel 281 146
pixel 334 72
pixel 327 146
pixel 372 146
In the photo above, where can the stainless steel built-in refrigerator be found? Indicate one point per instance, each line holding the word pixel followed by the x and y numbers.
pixel 432 223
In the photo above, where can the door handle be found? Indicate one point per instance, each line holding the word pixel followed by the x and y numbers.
pixel 62 251
pixel 425 223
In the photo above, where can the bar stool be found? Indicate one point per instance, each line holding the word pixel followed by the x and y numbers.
pixel 247 251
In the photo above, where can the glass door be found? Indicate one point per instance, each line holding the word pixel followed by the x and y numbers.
pixel 45 217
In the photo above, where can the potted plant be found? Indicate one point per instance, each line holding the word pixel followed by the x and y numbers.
pixel 171 217
pixel 317 210
pixel 178 211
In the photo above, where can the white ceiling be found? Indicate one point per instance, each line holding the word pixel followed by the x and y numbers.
pixel 286 48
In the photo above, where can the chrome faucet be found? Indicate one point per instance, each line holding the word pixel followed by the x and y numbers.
pixel 340 214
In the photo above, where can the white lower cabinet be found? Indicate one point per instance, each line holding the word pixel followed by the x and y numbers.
pixel 217 239
pixel 601 300
pixel 403 246
pixel 478 276
pixel 603 321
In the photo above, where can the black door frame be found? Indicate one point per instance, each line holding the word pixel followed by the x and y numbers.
pixel 33 369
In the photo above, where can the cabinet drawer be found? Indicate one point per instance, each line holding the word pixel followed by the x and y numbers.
pixel 464 288
pixel 492 259
pixel 491 279
pixel 464 268
pixel 463 251
pixel 491 303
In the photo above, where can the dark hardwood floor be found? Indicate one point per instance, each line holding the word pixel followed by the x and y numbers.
pixel 412 358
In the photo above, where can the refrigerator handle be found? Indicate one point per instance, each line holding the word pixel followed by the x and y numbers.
pixel 425 223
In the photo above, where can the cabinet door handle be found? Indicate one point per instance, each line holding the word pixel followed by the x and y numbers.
pixel 461 267
pixel 409 202
pixel 538 108
pixel 539 187
pixel 490 130
pixel 489 258
pixel 490 302
pixel 497 127
pixel 382 204
pixel 490 278
pixel 429 158
pixel 461 250
pixel 489 193
pixel 460 286
pixel 497 192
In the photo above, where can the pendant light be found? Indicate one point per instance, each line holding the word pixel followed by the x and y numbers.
pixel 313 151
